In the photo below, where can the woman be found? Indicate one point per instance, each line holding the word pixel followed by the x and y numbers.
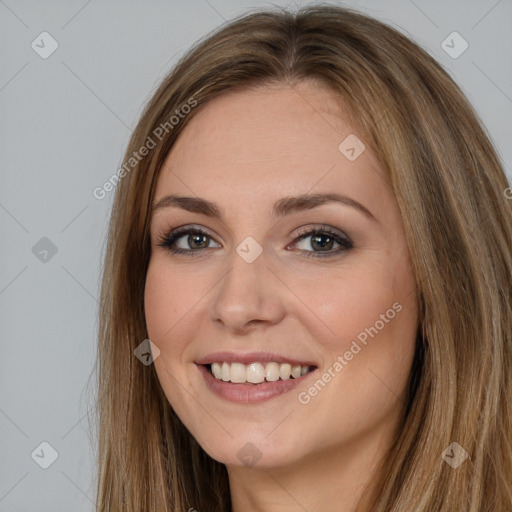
pixel 307 285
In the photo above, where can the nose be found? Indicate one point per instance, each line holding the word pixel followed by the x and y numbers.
pixel 248 295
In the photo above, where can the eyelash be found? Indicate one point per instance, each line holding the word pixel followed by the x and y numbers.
pixel 167 240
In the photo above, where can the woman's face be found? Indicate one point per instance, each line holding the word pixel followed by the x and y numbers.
pixel 267 284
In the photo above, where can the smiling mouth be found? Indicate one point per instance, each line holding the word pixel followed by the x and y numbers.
pixel 257 373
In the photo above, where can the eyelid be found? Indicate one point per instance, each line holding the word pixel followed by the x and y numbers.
pixel 169 237
pixel 321 228
pixel 301 231
pixel 184 228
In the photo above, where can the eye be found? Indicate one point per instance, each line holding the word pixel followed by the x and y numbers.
pixel 322 237
pixel 196 238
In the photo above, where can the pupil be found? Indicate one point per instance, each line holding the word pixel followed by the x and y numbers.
pixel 317 237
pixel 196 237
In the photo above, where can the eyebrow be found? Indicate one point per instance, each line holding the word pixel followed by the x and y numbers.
pixel 282 207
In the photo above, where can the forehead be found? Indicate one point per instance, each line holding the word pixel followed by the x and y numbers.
pixel 268 141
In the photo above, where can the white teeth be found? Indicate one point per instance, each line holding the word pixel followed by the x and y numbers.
pixel 225 373
pixel 296 371
pixel 238 372
pixel 272 372
pixel 217 370
pixel 285 371
pixel 256 373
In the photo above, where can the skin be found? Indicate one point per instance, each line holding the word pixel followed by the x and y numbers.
pixel 314 456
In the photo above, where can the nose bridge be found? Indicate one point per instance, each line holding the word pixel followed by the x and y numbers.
pixel 247 291
pixel 247 276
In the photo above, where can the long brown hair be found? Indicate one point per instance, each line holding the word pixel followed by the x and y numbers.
pixel 449 185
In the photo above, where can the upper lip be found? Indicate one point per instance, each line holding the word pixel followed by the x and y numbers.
pixel 252 357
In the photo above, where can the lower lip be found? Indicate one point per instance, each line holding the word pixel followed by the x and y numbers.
pixel 250 393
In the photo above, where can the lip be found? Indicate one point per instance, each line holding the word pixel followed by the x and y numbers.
pixel 252 357
pixel 250 393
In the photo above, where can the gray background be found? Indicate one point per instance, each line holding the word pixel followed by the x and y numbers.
pixel 64 126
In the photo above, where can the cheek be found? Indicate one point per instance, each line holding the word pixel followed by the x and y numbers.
pixel 166 300
pixel 368 349
pixel 371 305
pixel 348 303
pixel 157 299
pixel 166 303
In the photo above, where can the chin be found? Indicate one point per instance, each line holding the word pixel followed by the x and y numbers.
pixel 252 452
